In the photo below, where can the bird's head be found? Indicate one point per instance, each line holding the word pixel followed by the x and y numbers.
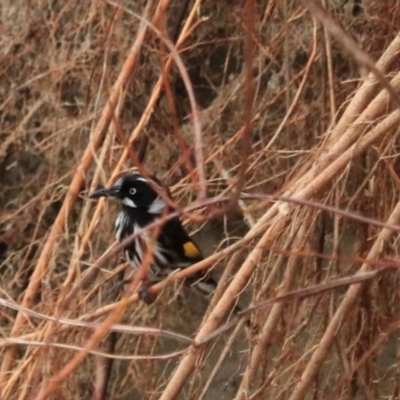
pixel 134 191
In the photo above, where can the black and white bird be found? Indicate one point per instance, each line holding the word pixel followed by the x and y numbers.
pixel 173 248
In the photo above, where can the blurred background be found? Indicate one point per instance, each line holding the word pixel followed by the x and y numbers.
pixel 295 86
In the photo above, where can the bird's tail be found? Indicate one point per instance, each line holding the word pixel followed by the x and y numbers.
pixel 206 285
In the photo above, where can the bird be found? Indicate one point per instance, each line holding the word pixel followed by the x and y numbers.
pixel 172 249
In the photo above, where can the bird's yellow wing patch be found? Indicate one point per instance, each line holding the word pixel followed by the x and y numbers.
pixel 190 250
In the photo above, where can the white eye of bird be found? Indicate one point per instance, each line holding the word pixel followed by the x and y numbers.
pixel 132 191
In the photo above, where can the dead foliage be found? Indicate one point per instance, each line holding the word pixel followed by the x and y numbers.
pixel 275 125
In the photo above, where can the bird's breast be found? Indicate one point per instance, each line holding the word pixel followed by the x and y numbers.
pixel 135 251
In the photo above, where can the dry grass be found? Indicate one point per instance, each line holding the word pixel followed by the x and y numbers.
pixel 253 98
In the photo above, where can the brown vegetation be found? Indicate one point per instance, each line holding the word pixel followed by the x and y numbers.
pixel 275 125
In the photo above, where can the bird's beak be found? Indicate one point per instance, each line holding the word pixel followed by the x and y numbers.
pixel 112 191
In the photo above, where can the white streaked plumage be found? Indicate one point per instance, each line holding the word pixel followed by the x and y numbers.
pixel 128 202
pixel 141 179
pixel 121 221
pixel 172 250
pixel 158 206
pixel 123 225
